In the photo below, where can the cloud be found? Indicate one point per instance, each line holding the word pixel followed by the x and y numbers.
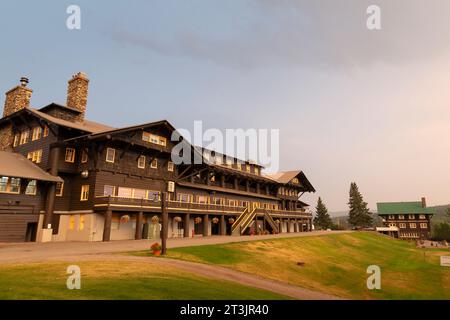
pixel 320 33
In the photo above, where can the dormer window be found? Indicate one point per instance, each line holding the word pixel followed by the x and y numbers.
pixel 295 180
pixel 153 138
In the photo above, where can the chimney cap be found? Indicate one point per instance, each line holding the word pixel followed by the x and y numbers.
pixel 80 75
pixel 24 81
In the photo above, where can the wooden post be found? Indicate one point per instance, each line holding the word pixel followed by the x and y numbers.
pixel 223 226
pixel 165 223
pixel 51 191
pixel 107 226
pixel 139 218
pixel 295 225
pixel 205 225
pixel 187 222
pixel 288 224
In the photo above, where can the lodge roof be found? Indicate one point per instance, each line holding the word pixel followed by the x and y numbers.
pixel 15 165
pixel 285 177
pixel 412 207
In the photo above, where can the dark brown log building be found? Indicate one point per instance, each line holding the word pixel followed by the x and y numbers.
pixel 65 178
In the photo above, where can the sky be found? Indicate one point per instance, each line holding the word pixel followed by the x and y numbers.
pixel 351 104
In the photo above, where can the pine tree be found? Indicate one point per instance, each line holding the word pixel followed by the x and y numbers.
pixel 322 220
pixel 359 215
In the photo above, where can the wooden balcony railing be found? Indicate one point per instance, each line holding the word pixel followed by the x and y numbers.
pixel 155 205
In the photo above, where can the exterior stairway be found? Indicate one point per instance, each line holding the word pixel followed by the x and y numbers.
pixel 271 222
pixel 243 221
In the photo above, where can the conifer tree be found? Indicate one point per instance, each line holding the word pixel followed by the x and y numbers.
pixel 359 215
pixel 322 220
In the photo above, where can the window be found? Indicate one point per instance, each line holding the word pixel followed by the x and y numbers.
pixel 109 191
pixel 10 185
pixel 391 216
pixel 247 168
pixel 154 164
pixel 183 197
pixel 45 131
pixel 31 188
pixel 148 137
pixel 84 192
pixel 37 133
pixel 16 140
pixel 229 162
pixel 422 217
pixel 257 171
pixel 152 195
pixel 84 156
pixel 401 217
pixel 295 180
pixel 139 193
pixel 141 162
pixel 411 216
pixel 239 166
pixel 70 155
pixel 402 225
pixel 413 225
pixel 72 222
pixel 233 203
pixel 110 155
pixel 125 192
pixel 81 222
pixel 218 201
pixel 424 225
pixel 202 199
pixel 59 189
pixel 170 166
pixel 24 137
pixel 35 156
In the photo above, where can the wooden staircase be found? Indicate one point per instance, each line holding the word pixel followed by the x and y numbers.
pixel 271 222
pixel 243 221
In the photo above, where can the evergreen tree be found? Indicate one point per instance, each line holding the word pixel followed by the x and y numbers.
pixel 359 215
pixel 322 220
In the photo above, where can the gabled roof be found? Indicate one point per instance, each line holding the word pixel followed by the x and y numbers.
pixel 413 207
pixel 15 165
pixel 58 106
pixel 285 177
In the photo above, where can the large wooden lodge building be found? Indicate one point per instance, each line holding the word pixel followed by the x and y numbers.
pixel 65 178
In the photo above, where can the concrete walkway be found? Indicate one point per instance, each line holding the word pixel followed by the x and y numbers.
pixel 35 252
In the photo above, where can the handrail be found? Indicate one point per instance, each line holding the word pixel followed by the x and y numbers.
pixel 246 223
pixel 272 222
pixel 239 219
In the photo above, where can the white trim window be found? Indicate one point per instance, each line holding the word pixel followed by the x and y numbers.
pixel 24 137
pixel 35 156
pixel 401 217
pixel 402 225
pixel 170 166
pixel 141 162
pixel 411 216
pixel 59 189
pixel 413 225
pixel 84 196
pixel 423 225
pixel 422 217
pixel 110 155
pixel 10 185
pixel 154 164
pixel 31 188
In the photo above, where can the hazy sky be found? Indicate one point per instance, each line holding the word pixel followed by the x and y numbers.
pixel 351 104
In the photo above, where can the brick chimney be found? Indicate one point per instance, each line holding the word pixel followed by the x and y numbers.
pixel 17 98
pixel 424 202
pixel 77 93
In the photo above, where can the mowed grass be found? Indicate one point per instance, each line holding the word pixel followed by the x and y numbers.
pixel 118 280
pixel 335 264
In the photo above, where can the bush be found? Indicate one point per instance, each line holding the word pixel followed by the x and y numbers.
pixel 441 232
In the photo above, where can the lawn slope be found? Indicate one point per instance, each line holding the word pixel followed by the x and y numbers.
pixel 335 264
pixel 118 280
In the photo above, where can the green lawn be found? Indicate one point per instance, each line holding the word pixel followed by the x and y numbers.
pixel 118 280
pixel 335 264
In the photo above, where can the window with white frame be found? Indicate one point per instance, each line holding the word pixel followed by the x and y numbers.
pixel 402 225
pixel 31 188
pixel 423 225
pixel 141 162
pixel 411 216
pixel 24 137
pixel 170 166
pixel 84 196
pixel 10 185
pixel 109 190
pixel 35 156
pixel 154 164
pixel 110 155
pixel 422 217
pixel 401 216
pixel 413 225
pixel 59 189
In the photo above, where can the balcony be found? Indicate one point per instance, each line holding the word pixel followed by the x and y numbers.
pixel 135 204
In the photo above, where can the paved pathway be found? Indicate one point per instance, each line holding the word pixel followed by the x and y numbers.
pixel 101 251
pixel 29 252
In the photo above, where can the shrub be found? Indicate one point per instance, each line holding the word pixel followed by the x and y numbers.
pixel 441 232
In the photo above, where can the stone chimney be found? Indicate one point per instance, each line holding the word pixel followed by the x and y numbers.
pixel 424 202
pixel 17 98
pixel 77 92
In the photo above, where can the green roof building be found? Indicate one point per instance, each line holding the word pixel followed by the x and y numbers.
pixel 406 220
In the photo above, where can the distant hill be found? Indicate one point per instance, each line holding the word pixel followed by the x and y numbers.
pixel 441 214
